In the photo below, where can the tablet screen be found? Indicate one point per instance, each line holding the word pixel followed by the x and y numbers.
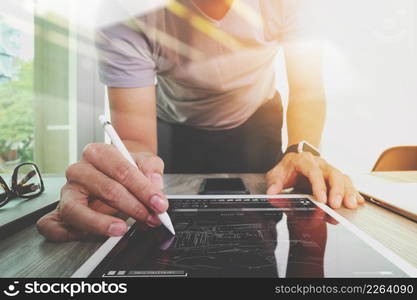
pixel 245 237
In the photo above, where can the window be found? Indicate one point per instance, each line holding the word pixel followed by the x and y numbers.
pixel 16 85
pixel 49 93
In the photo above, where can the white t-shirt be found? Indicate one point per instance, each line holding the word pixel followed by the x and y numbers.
pixel 210 74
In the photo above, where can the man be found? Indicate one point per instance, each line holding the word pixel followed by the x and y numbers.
pixel 214 109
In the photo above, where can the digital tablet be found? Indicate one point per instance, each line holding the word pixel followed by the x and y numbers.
pixel 246 236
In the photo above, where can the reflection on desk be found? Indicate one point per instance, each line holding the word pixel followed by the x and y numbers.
pixel 19 207
pixel 246 237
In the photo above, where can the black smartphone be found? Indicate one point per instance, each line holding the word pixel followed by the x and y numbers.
pixel 223 186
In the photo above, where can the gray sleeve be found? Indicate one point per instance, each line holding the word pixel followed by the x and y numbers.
pixel 125 57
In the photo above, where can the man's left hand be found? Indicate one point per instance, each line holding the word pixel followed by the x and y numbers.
pixel 328 184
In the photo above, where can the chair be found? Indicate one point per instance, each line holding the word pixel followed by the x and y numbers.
pixel 402 158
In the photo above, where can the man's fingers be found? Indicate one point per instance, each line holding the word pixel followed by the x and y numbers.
pixel 274 189
pixel 320 175
pixel 80 216
pixel 51 227
pixel 337 187
pixel 311 169
pixel 361 199
pixel 351 195
pixel 98 205
pixel 275 180
pixel 108 160
pixel 110 191
pixel 152 166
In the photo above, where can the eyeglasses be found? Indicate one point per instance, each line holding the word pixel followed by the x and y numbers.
pixel 26 183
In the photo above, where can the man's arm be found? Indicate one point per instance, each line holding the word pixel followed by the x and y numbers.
pixel 305 120
pixel 133 113
pixel 307 102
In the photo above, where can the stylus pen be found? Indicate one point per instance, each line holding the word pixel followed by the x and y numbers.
pixel 114 137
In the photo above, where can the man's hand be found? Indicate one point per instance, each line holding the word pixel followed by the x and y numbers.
pixel 327 183
pixel 100 185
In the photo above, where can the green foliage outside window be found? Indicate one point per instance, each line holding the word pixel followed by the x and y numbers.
pixel 16 114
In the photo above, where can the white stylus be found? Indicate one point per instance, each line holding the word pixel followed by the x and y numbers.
pixel 114 137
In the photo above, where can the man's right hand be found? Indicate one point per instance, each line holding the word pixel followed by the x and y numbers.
pixel 102 184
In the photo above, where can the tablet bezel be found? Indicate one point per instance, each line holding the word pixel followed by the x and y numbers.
pixel 94 260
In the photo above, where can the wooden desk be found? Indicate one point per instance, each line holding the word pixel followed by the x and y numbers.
pixel 27 254
pixel 17 208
